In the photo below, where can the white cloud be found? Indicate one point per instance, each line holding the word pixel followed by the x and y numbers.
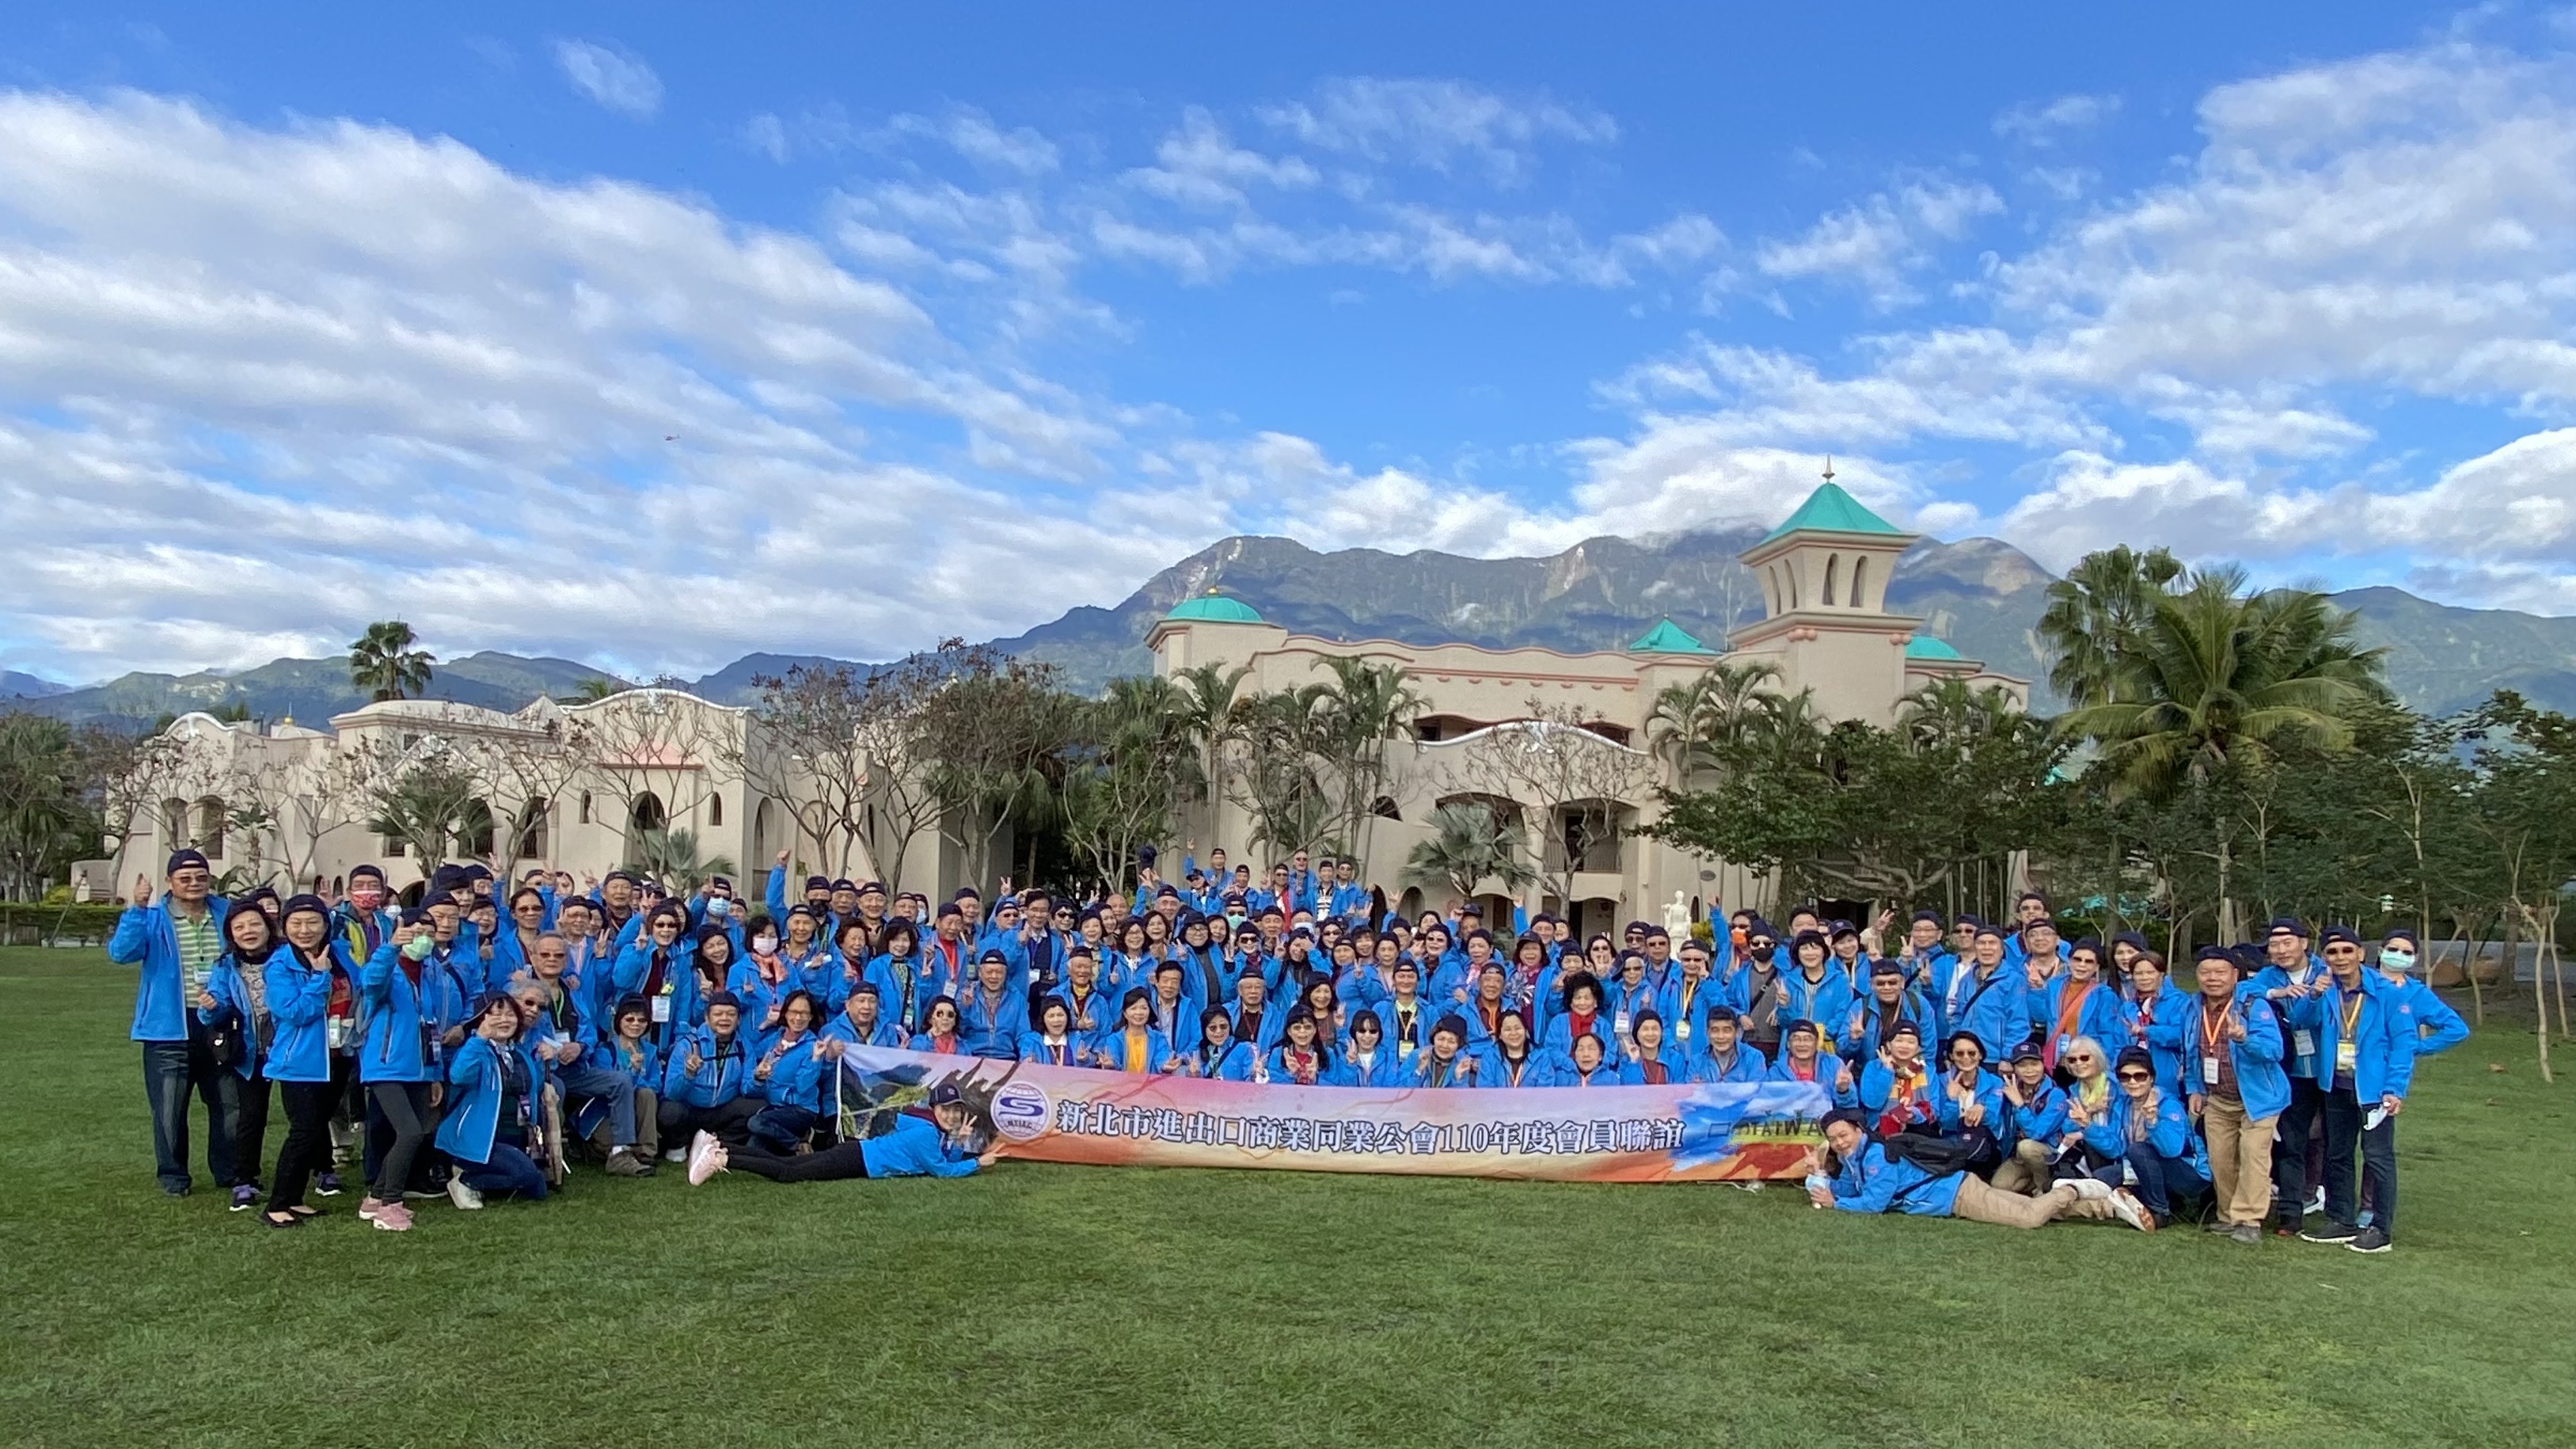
pixel 1438 124
pixel 1198 165
pixel 1875 244
pixel 2044 123
pixel 610 75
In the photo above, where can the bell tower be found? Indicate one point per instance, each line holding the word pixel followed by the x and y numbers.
pixel 1824 576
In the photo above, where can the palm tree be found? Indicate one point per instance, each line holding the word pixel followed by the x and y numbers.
pixel 383 662
pixel 2213 677
pixel 1948 715
pixel 671 857
pixel 1209 712
pixel 2094 613
pixel 1698 721
pixel 596 688
pixel 1469 845
pixel 1365 704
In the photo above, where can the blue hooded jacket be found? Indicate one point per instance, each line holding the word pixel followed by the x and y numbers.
pixel 2383 1035
pixel 144 934
pixel 1994 1009
pixel 1745 1064
pixel 914 1148
pixel 724 1069
pixel 1876 1180
pixel 471 1120
pixel 299 997
pixel 992 1027
pixel 2260 1082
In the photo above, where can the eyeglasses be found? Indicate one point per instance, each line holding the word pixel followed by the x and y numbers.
pixel 2137 1076
pixel 551 955
pixel 2082 1057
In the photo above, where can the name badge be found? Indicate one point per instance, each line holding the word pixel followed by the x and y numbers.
pixel 336 1034
pixel 662 1010
pixel 1404 1051
pixel 2347 1056
pixel 2303 1043
pixel 1681 1031
pixel 1619 1023
pixel 2209 1070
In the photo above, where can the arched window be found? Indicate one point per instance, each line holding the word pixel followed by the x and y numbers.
pixel 475 828
pixel 1860 583
pixel 1792 572
pixel 1384 808
pixel 647 813
pixel 210 827
pixel 585 807
pixel 174 825
pixel 715 810
pixel 1833 575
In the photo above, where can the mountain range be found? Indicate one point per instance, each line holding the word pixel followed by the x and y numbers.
pixel 1981 595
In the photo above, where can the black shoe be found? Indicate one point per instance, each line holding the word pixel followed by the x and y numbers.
pixel 177 1189
pixel 326 1184
pixel 2369 1240
pixel 2332 1232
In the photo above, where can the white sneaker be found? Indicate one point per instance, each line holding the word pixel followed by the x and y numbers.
pixel 2090 1189
pixel 2317 1200
pixel 676 1154
pixel 706 1158
pixel 465 1198
pixel 2126 1207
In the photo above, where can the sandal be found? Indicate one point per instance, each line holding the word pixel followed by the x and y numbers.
pixel 281 1219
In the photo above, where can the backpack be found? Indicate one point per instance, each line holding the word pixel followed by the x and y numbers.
pixel 1939 1156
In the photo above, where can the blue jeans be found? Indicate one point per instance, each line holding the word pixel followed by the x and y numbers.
pixel 2161 1179
pixel 508 1170
pixel 610 1085
pixel 2342 1115
pixel 171 1070
pixel 782 1128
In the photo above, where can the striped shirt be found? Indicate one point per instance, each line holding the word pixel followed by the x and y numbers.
pixel 200 943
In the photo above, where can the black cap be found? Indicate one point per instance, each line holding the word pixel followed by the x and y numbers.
pixel 182 859
pixel 2028 1051
pixel 724 998
pixel 946 1095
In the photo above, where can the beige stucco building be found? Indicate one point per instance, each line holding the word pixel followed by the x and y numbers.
pixel 1527 731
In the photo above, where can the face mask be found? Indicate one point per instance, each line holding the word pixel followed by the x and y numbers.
pixel 719 908
pixel 2396 960
pixel 764 944
pixel 419 947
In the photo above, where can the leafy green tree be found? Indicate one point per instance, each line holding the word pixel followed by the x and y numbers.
pixel 427 804
pixel 49 816
pixel 671 857
pixel 384 663
pixel 2092 617
pixel 1470 844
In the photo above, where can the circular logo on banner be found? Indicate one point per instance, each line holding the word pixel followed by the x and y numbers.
pixel 1021 1110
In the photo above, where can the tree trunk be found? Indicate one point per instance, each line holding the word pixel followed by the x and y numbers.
pixel 2539 996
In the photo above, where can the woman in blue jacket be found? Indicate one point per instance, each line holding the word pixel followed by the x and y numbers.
pixel 1580 1014
pixel 2041 1129
pixel 788 1072
pixel 1972 1102
pixel 1653 1062
pixel 656 965
pixel 2078 1003
pixel 1218 1057
pixel 296 983
pixel 1586 1064
pixel 630 1049
pixel 398 991
pixel 1054 1042
pixel 1512 1057
pixel 492 1087
pixel 1303 1057
pixel 1897 1088
pixel 902 976
pixel 236 993
pixel 2147 1130
pixel 913 1148
pixel 1367 1061
pixel 939 1031
pixel 1446 1062
pixel 1132 1044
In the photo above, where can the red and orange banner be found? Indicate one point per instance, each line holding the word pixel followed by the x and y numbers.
pixel 1676 1133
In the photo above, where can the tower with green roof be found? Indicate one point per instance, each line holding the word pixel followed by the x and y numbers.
pixel 1824 574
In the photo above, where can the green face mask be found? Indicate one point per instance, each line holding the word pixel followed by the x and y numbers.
pixel 419 947
pixel 2396 960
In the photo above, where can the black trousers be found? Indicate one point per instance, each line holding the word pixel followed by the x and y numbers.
pixel 308 1139
pixel 399 1123
pixel 250 1127
pixel 2343 1132
pixel 731 1123
pixel 2290 1149
pixel 832 1164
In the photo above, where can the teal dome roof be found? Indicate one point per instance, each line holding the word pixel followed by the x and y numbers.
pixel 1214 608
pixel 1668 638
pixel 1831 509
pixel 1924 646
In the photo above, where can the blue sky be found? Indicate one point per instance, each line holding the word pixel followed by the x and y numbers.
pixel 652 339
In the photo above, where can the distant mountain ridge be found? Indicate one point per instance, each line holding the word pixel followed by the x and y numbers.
pixel 1982 595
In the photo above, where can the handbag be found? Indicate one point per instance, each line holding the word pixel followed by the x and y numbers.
pixel 224 1040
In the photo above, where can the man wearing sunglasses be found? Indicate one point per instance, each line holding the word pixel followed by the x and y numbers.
pixel 2365 1061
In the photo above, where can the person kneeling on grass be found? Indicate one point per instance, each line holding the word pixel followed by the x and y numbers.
pixel 2146 1130
pixel 492 1085
pixel 1875 1178
pixel 914 1148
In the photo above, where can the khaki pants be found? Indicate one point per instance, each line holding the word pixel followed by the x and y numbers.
pixel 648 1127
pixel 1979 1203
pixel 2026 1170
pixel 2240 1161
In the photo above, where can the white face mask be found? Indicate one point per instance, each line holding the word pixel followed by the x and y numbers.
pixel 764 944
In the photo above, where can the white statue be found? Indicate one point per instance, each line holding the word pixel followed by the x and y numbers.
pixel 1677 920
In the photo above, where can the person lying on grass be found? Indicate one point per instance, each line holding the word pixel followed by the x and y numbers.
pixel 914 1148
pixel 1875 1177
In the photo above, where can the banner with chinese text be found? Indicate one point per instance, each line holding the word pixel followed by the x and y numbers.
pixel 1676 1133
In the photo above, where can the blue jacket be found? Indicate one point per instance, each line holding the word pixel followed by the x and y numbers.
pixel 1632 1070
pixel 723 1073
pixel 914 1148
pixel 679 983
pixel 2298 1043
pixel 1826 1001
pixel 223 983
pixel 1559 1038
pixel 1876 1180
pixel 299 998
pixel 2098 1014
pixel 471 1116
pixel 2042 1115
pixel 1234 1065
pixel 1746 1064
pixel 1093 1015
pixel 1541 1068
pixel 1463 1070
pixel 1878 1094
pixel 1828 1070
pixel 1856 1034
pixel 1380 1070
pixel 886 1034
pixel 797 1078
pixel 2432 1014
pixel 161 1001
pixel 992 1028
pixel 2383 1036
pixel 1076 1051
pixel 2170 1136
pixel 1686 1023
pixel 2136 1017
pixel 403 1023
pixel 2260 1081
pixel 1995 1010
pixel 1111 1045
pixel 1328 1067
pixel 1987 1092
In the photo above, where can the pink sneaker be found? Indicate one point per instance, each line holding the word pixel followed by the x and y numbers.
pixel 392 1217
pixel 706 1158
pixel 368 1207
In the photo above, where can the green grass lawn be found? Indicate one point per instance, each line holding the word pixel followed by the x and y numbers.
pixel 1065 1305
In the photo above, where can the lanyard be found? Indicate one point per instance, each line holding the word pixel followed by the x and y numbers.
pixel 2212 1031
pixel 2349 1008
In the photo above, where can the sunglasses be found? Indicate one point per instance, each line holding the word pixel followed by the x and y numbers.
pixel 2082 1057
pixel 2137 1076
